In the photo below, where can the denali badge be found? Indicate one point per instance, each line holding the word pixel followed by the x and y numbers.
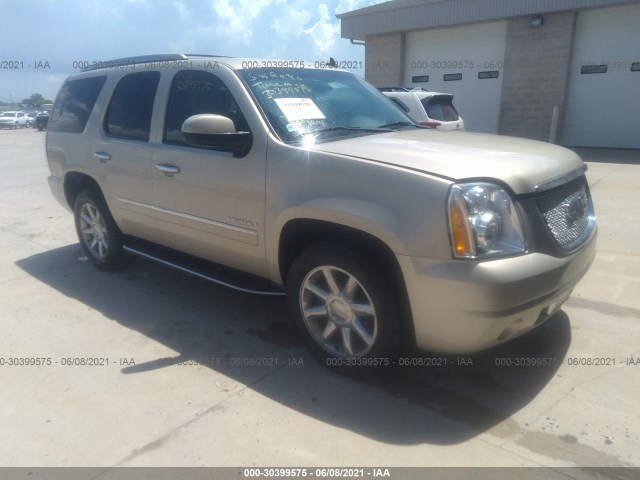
pixel 242 221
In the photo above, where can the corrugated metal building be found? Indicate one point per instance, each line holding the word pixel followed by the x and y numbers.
pixel 567 71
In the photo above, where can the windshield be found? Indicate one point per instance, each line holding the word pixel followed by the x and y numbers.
pixel 327 104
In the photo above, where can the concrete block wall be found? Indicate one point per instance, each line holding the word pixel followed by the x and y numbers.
pixel 384 57
pixel 536 68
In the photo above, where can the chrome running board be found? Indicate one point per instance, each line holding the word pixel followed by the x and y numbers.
pixel 140 252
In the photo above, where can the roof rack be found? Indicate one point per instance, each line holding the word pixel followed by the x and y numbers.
pixel 393 89
pixel 203 55
pixel 134 60
pixel 163 57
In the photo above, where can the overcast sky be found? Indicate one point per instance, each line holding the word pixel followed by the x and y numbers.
pixel 45 37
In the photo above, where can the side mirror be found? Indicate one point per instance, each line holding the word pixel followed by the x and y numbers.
pixel 216 131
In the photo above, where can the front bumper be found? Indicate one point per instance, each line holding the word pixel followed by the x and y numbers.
pixel 464 306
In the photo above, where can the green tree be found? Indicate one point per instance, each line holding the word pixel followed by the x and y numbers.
pixel 35 100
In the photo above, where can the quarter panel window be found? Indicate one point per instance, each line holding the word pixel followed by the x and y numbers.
pixel 195 92
pixel 131 107
pixel 74 104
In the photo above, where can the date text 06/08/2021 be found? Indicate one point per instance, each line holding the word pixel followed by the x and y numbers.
pixel 330 472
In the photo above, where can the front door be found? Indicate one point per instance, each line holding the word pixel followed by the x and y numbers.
pixel 208 202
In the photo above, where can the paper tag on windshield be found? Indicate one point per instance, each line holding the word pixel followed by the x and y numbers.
pixel 299 109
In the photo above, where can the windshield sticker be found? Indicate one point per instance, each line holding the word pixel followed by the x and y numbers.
pixel 272 75
pixel 270 88
pixel 299 109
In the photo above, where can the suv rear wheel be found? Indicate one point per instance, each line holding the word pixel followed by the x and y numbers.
pixel 341 306
pixel 99 236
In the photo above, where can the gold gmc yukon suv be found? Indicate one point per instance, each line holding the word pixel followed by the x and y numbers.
pixel 381 232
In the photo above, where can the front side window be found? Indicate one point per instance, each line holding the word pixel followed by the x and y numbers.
pixel 131 107
pixel 196 92
pixel 74 104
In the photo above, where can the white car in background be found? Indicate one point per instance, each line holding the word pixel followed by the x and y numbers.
pixel 31 119
pixel 433 109
pixel 13 119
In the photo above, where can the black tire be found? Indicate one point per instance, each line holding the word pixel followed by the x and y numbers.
pixel 343 310
pixel 103 243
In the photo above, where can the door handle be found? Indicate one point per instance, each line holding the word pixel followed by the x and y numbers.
pixel 167 169
pixel 102 156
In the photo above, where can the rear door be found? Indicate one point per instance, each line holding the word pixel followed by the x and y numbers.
pixel 122 153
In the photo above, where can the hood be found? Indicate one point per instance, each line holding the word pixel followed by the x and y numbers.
pixel 520 163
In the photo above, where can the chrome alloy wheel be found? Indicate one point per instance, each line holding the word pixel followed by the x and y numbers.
pixel 338 312
pixel 94 231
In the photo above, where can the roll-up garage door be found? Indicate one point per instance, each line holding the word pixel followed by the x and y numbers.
pixel 466 61
pixel 603 101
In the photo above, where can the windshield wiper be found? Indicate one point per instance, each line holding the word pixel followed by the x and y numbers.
pixel 401 124
pixel 348 129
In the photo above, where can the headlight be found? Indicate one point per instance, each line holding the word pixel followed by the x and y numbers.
pixel 483 221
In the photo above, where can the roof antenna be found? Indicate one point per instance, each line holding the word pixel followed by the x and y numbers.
pixel 332 63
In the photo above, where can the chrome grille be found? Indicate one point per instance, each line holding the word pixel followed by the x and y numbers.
pixel 568 213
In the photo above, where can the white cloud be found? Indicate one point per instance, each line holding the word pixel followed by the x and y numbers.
pixel 181 9
pixel 108 29
pixel 238 16
pixel 56 79
pixel 292 21
pixel 350 5
pixel 324 32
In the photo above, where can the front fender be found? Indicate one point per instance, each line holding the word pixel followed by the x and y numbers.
pixel 367 217
pixel 404 209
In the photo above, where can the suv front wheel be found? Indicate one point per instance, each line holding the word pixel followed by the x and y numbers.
pixel 341 306
pixel 100 237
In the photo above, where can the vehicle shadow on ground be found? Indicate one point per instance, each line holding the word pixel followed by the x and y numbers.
pixel 218 327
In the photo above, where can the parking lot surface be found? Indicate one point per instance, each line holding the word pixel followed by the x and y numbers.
pixel 151 367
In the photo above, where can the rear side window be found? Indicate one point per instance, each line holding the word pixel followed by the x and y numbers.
pixel 440 108
pixel 399 104
pixel 74 105
pixel 129 113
